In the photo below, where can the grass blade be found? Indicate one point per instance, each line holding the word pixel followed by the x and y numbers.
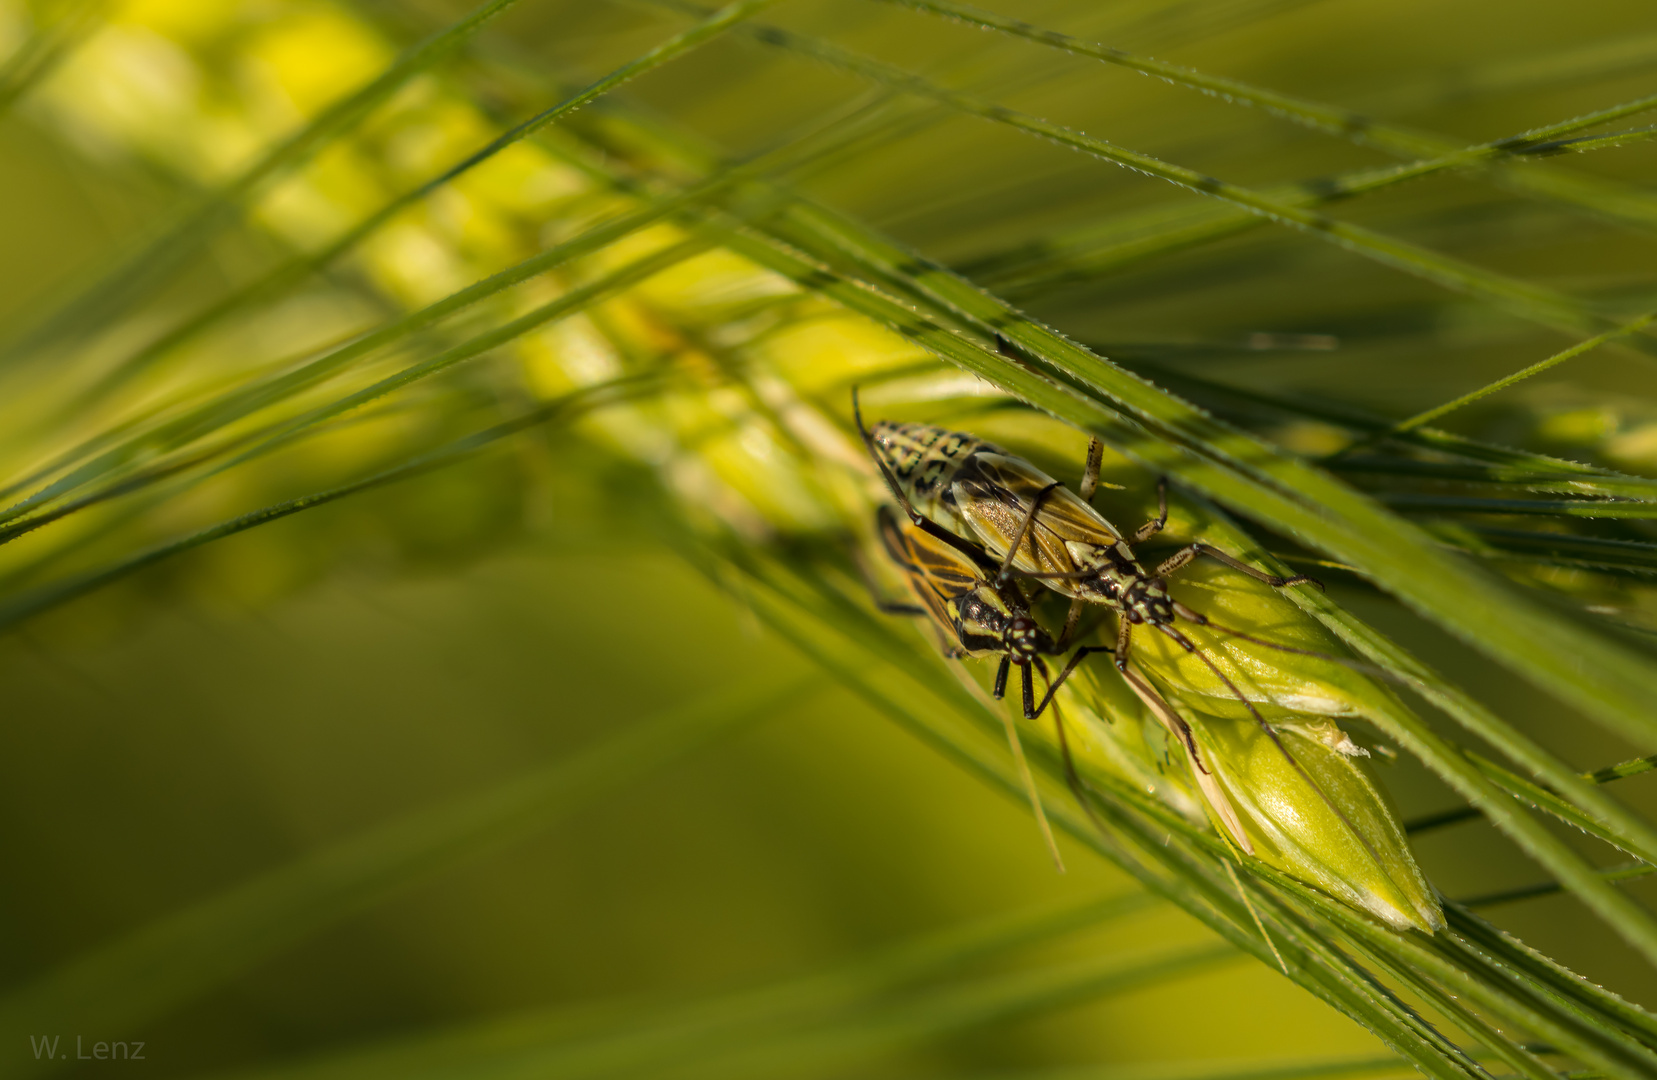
pixel 1533 303
pixel 1624 203
pixel 1524 373
pixel 1570 508
pixel 1150 849
pixel 28 604
pixel 1611 684
pixel 298 269
pixel 1631 922
pixel 132 278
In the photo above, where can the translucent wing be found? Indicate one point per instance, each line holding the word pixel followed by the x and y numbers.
pixel 941 577
pixel 994 494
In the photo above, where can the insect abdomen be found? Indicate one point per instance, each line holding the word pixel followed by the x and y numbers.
pixel 924 460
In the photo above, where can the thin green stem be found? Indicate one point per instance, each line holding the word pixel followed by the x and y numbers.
pixel 1412 502
pixel 1625 872
pixel 1526 790
pixel 1585 143
pixel 242 400
pixel 133 277
pixel 1634 924
pixel 203 421
pixel 1524 373
pixel 26 605
pixel 1528 301
pixel 1624 202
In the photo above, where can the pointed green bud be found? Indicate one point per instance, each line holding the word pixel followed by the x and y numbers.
pixel 1308 805
pixel 1276 680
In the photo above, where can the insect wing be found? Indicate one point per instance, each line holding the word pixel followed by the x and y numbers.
pixel 995 494
pixel 947 583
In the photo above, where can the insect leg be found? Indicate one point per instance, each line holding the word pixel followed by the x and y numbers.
pixel 1090 474
pixel 1023 531
pixel 1070 622
pixel 1001 677
pixel 1190 646
pixel 1053 687
pixel 1124 642
pixel 1158 523
pixel 1170 719
pixel 1179 558
pixel 1186 644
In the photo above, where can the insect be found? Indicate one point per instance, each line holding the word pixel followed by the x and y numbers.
pixel 962 590
pixel 956 584
pixel 1039 529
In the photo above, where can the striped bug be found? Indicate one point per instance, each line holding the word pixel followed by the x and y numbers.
pixel 957 584
pixel 962 590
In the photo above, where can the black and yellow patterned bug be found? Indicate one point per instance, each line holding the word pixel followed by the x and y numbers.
pixel 954 582
pixel 978 612
pixel 1039 529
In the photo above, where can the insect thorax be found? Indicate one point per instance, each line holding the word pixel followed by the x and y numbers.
pixel 1121 581
pixel 981 620
pixel 1146 600
pixel 924 460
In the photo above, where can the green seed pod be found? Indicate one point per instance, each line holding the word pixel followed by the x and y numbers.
pixel 1276 680
pixel 1312 808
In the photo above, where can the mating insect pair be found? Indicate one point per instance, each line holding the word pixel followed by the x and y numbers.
pixel 958 585
pixel 969 599
pixel 1025 525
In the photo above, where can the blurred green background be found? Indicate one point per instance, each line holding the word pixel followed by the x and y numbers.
pixel 284 690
